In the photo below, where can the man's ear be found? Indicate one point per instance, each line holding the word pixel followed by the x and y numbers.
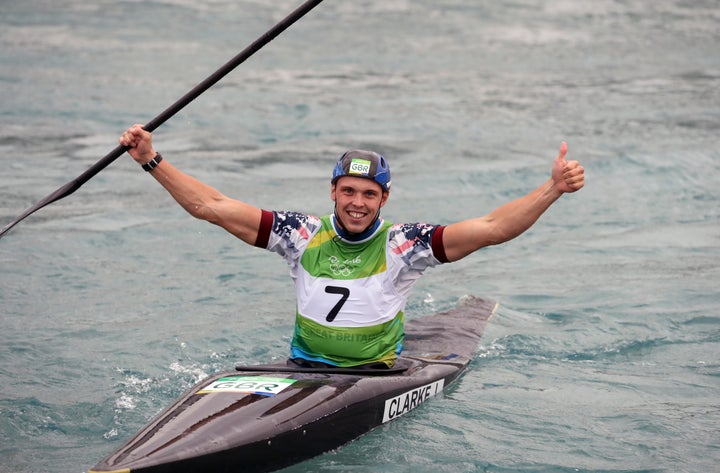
pixel 384 198
pixel 333 187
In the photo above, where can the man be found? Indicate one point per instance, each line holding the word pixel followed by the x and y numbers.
pixel 352 270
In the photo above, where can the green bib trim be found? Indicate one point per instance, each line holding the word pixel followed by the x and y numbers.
pixel 350 346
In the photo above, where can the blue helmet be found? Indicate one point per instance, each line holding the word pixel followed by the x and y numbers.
pixel 367 164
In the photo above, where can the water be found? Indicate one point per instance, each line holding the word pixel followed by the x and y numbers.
pixel 604 354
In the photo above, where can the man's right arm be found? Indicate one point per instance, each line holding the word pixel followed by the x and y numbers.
pixel 197 198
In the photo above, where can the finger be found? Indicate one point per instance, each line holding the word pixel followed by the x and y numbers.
pixel 132 136
pixel 575 181
pixel 573 168
pixel 574 178
pixel 129 139
pixel 572 164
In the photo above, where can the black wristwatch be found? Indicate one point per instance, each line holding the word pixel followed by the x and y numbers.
pixel 152 164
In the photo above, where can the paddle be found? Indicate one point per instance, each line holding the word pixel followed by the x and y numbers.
pixel 75 184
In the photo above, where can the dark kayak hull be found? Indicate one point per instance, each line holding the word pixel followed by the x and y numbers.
pixel 263 418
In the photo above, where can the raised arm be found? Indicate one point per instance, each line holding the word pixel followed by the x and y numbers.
pixel 512 219
pixel 198 199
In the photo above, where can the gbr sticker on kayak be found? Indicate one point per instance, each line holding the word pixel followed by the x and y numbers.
pixel 248 385
pixel 399 405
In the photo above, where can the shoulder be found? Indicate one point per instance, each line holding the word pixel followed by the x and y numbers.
pixel 417 242
pixel 277 227
pixel 415 232
pixel 285 221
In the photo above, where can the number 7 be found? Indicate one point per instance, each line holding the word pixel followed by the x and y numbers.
pixel 344 292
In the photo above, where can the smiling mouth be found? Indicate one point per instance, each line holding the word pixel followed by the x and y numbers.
pixel 356 215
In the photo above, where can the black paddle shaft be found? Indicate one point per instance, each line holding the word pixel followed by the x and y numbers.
pixel 76 183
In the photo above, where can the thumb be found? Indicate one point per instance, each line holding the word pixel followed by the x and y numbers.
pixel 558 167
pixel 563 152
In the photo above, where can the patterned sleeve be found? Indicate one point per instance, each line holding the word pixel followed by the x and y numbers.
pixel 418 245
pixel 286 233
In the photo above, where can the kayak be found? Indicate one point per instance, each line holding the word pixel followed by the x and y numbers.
pixel 266 417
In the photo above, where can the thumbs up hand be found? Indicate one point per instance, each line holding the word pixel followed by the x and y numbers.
pixel 569 176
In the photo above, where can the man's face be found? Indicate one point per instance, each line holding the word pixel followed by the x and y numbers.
pixel 358 201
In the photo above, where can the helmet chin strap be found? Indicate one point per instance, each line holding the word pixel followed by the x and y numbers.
pixel 351 236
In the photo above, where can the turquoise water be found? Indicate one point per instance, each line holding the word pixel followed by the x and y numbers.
pixel 604 354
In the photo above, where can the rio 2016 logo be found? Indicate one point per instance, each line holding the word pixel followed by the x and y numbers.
pixel 343 268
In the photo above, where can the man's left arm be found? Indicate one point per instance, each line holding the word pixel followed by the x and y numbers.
pixel 512 219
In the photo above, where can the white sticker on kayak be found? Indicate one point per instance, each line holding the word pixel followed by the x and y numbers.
pixel 248 385
pixel 408 401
